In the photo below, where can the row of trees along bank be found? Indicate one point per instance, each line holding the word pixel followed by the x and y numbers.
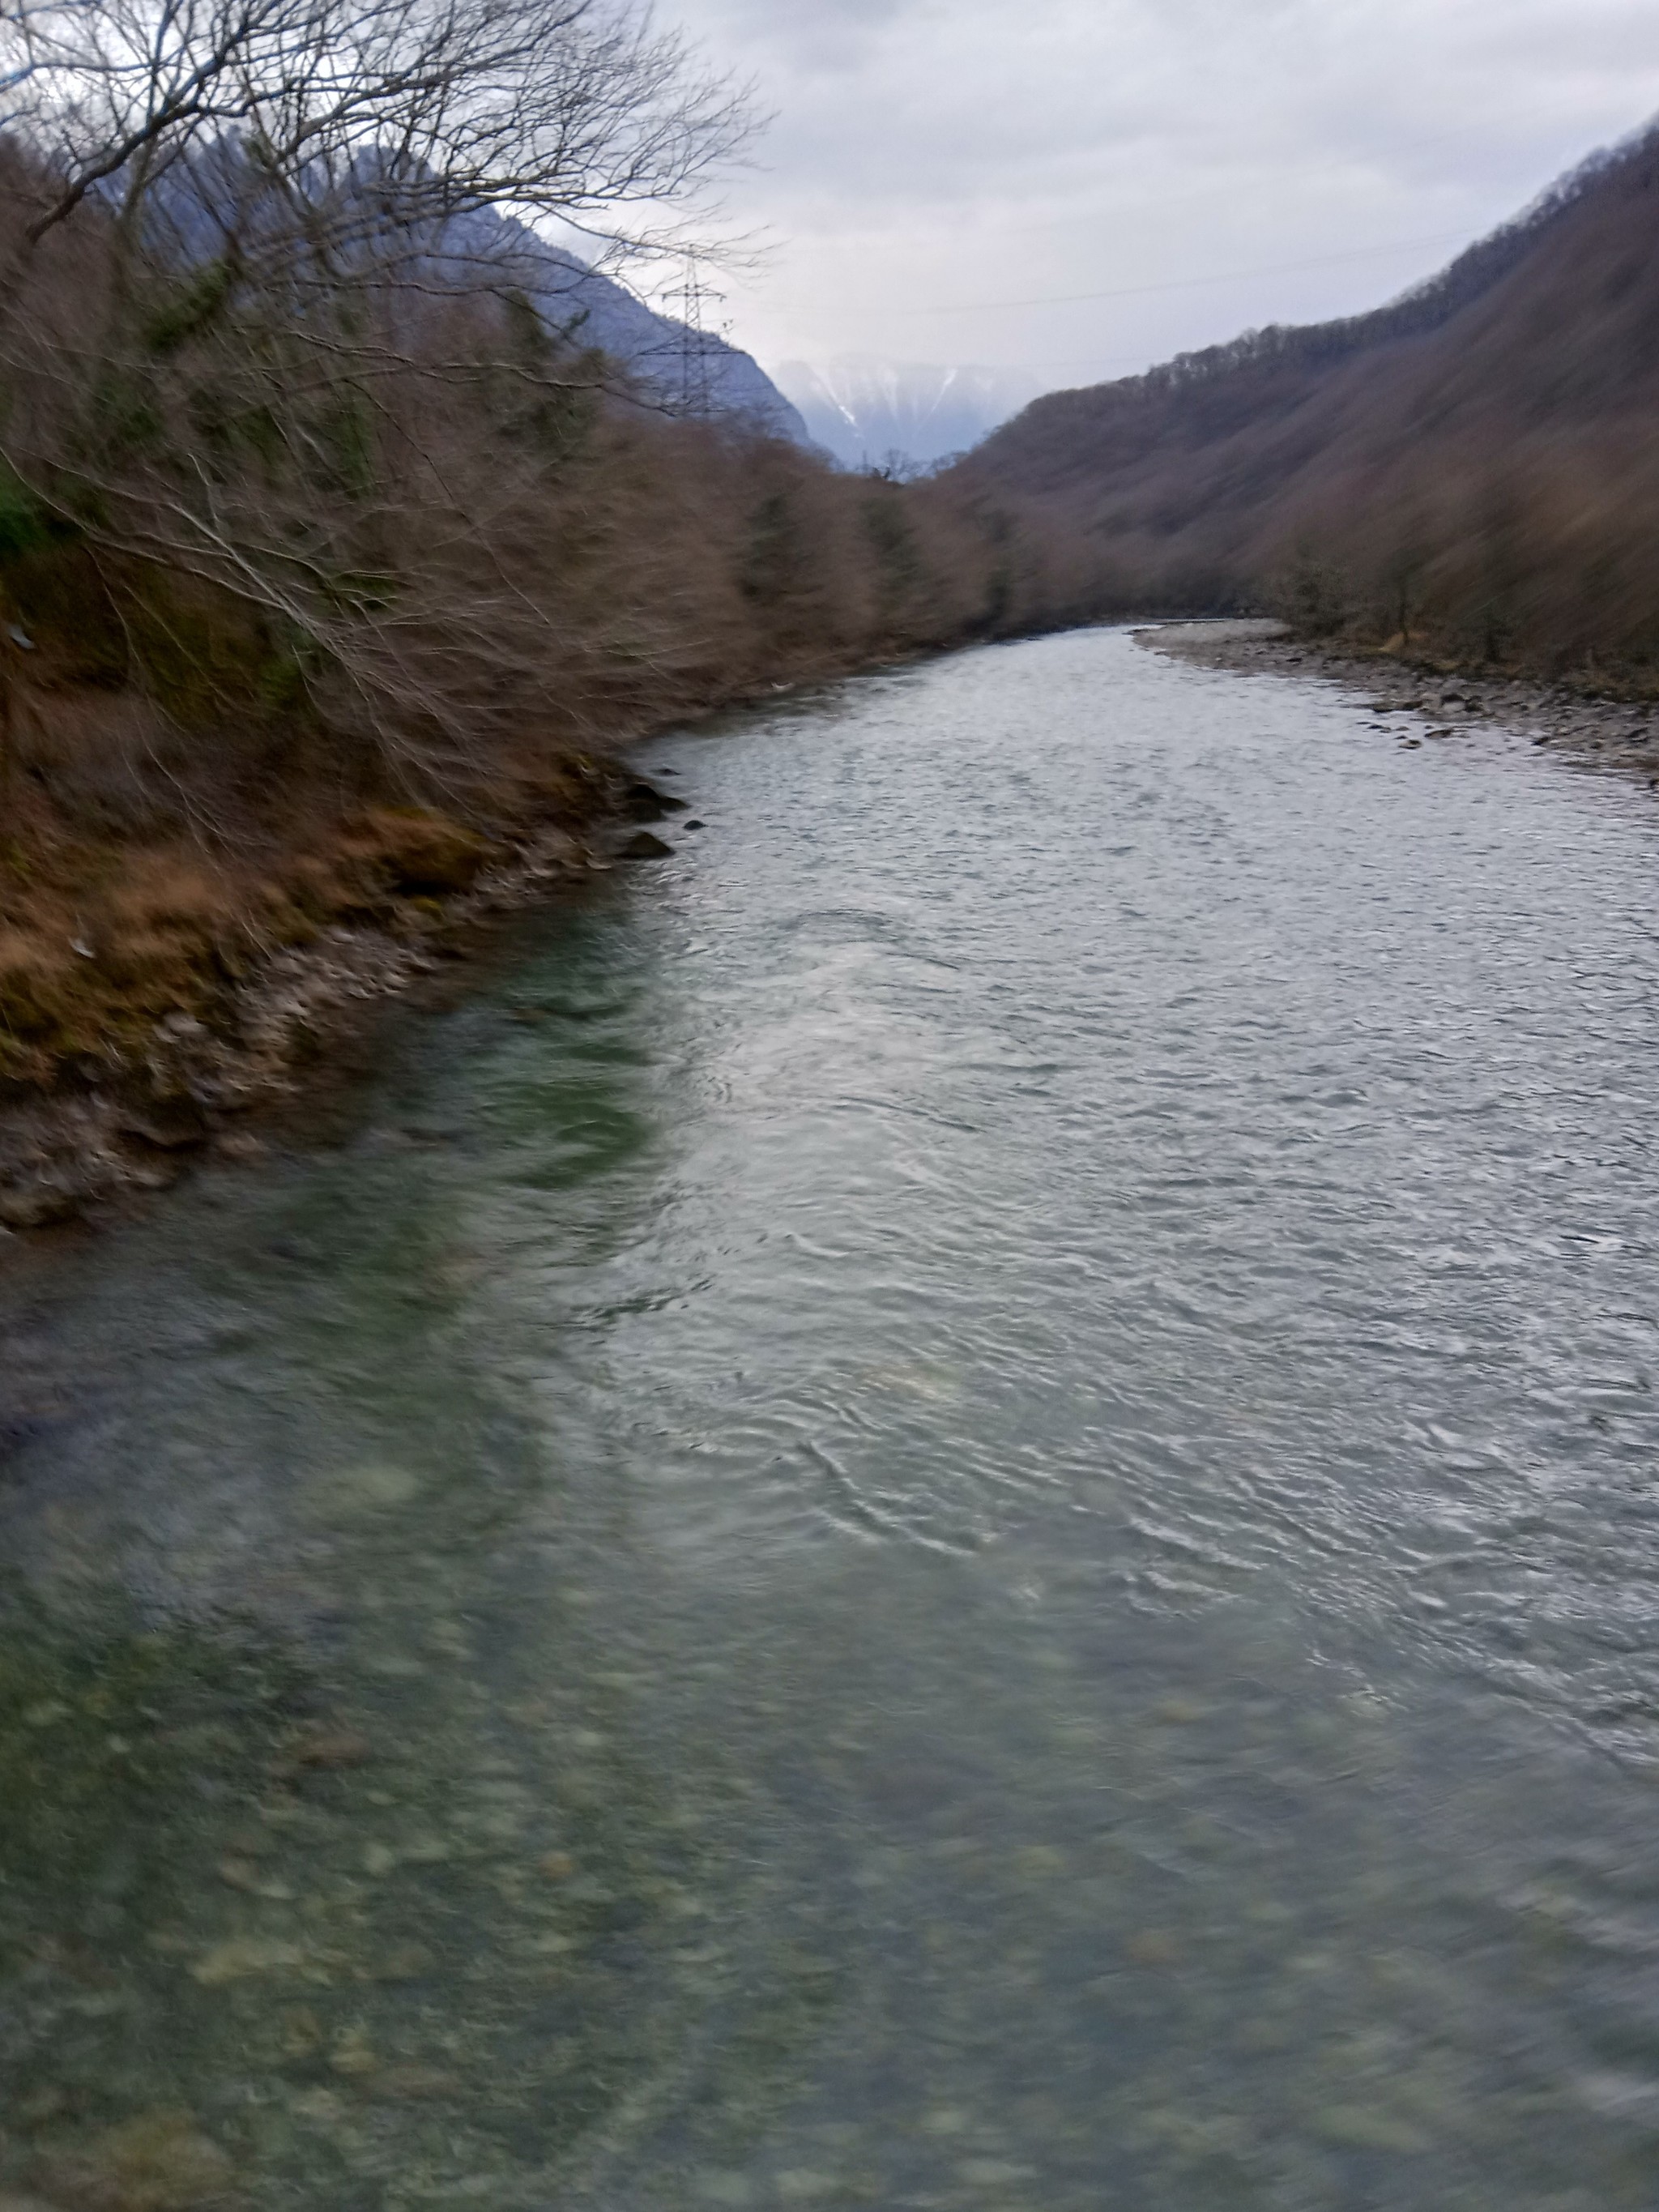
pixel 310 516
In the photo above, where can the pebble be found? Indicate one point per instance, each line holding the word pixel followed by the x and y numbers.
pixel 374 1488
pixel 425 1850
pixel 1180 1712
pixel 352 2053
pixel 327 1748
pixel 404 1962
pixel 245 1955
pixel 1151 1948
pixel 158 2162
pixel 1041 1862
pixel 1362 2127
pixel 418 2083
pixel 242 1875
pixel 301 2032
pixel 241 1145
pixel 323 2106
pixel 724 2189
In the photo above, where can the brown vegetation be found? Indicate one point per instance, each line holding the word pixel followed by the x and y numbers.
pixel 326 563
pixel 305 609
pixel 1471 471
pixel 179 794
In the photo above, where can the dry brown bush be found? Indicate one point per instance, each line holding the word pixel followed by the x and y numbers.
pixel 323 560
pixel 272 680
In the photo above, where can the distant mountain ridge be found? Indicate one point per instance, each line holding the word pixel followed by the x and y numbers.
pixel 684 369
pixel 866 411
pixel 691 371
pixel 1476 461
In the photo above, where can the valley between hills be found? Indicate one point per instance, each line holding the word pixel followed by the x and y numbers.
pixel 283 681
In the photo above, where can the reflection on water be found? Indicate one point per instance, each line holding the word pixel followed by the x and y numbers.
pixel 954 1511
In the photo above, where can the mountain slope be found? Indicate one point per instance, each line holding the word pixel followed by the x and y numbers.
pixel 1476 462
pixel 206 209
pixel 694 372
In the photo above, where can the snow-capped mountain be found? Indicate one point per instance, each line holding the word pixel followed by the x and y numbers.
pixel 867 411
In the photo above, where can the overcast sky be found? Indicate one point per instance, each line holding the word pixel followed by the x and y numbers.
pixel 927 157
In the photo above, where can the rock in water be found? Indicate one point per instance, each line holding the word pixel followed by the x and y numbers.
pixel 160 2162
pixel 642 846
pixel 643 802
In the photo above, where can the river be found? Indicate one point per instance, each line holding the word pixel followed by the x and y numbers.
pixel 952 1504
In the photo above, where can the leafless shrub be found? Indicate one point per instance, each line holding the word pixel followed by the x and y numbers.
pixel 260 326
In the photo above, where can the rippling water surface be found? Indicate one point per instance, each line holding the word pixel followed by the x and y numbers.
pixel 951 1506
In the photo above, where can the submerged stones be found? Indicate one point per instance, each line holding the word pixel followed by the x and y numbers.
pixel 242 1956
pixel 375 1487
pixel 159 2162
pixel 352 2053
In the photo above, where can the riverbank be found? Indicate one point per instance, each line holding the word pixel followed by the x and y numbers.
pixel 196 833
pixel 1601 729
pixel 155 997
pixel 219 1031
pixel 227 1032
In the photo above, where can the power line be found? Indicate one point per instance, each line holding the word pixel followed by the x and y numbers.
pixel 1187 283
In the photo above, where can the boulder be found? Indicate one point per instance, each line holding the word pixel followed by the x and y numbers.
pixel 171 1125
pixel 643 802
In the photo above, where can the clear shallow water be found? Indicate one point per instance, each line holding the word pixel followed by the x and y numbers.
pixel 953 1507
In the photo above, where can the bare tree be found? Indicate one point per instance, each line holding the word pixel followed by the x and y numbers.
pixel 575 108
pixel 265 322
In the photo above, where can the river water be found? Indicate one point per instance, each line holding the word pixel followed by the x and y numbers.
pixel 950 1506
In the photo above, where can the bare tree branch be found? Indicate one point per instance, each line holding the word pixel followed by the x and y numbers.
pixel 267 321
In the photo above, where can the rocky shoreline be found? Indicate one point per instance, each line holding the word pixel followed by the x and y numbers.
pixel 69 1150
pixel 1615 735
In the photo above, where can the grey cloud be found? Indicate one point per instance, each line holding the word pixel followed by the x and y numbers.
pixel 927 155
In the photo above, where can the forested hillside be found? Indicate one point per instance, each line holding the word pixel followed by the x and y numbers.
pixel 328 534
pixel 1474 465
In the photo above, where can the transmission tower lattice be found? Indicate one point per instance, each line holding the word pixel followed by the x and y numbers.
pixel 692 300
